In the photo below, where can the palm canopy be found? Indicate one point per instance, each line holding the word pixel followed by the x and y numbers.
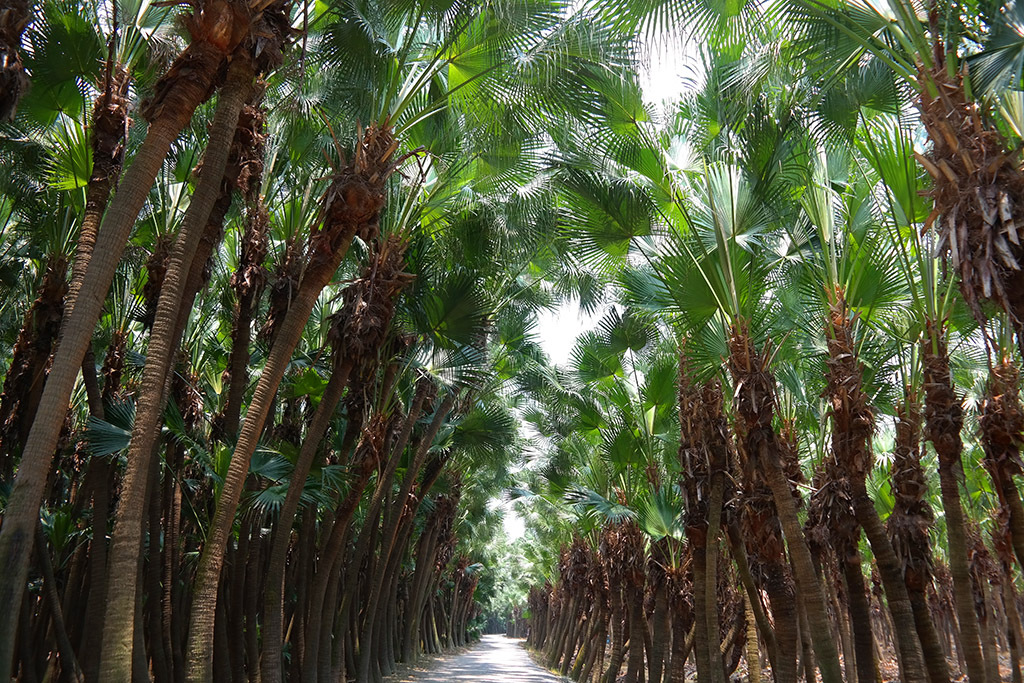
pixel 762 260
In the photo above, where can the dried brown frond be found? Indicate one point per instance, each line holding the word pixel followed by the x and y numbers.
pixel 912 516
pixel 250 276
pixel 704 444
pixel 944 414
pixel 216 28
pixel 978 186
pixel 113 364
pixel 14 83
pixel 185 391
pixel 359 329
pixel 852 421
pixel 283 287
pixel 1002 423
pixel 352 203
pixel 30 357
pixel 110 124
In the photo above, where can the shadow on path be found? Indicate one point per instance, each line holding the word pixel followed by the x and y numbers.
pixel 495 659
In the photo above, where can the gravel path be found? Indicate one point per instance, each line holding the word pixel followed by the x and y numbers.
pixel 495 659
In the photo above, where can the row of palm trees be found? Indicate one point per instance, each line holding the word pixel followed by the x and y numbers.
pixel 782 254
pixel 269 267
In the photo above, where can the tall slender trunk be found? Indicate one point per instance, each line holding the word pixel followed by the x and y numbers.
pixel 69 663
pixel 97 598
pixel 1002 429
pixel 352 206
pixel 425 547
pixel 700 609
pixel 943 422
pixel 661 632
pixel 152 571
pixel 851 444
pixel 703 457
pixel 711 576
pixel 186 85
pixel 273 605
pixel 859 608
pixel 767 632
pixel 367 459
pixel 909 644
pixel 779 587
pixel 803 571
pixel 752 654
pixel 388 535
pixel 611 674
pixel 248 281
pixel 126 542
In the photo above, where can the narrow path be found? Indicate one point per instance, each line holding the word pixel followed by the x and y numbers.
pixel 495 659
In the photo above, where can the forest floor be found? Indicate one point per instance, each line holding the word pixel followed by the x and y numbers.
pixel 495 659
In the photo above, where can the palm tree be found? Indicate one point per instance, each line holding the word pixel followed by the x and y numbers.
pixel 167 329
pixel 943 412
pixel 181 90
pixel 930 49
pixel 846 260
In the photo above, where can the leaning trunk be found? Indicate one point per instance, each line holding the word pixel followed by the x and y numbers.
pixel 127 537
pixel 186 85
pixel 352 205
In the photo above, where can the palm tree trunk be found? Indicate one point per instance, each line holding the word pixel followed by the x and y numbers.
pixel 700 609
pixel 661 634
pixel 97 597
pixel 153 567
pixel 860 616
pixel 756 407
pixel 247 281
pixel 611 674
pixel 803 571
pixel 425 547
pixel 127 537
pixel 273 604
pixel 764 626
pixel 851 444
pixel 913 665
pixel 1015 632
pixel 69 664
pixel 186 86
pixel 327 249
pixel 990 649
pixel 1012 501
pixel 752 654
pixel 635 662
pixel 109 129
pixel 778 584
pixel 711 616
pixel 330 559
pixel 943 422
pixel 388 534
